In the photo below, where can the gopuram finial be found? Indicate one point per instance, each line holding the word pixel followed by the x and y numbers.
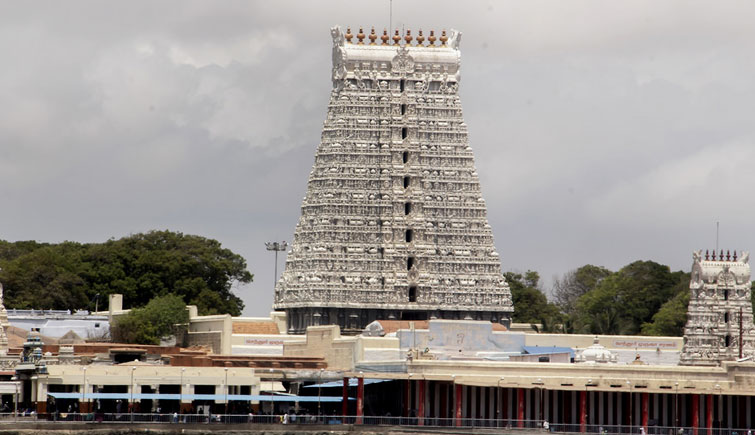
pixel 360 37
pixel 431 38
pixel 348 35
pixel 373 37
pixel 396 38
pixel 385 37
pixel 443 39
pixel 420 38
pixel 408 38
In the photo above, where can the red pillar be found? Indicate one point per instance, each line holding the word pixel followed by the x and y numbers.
pixel 520 407
pixel 345 397
pixel 583 411
pixel 695 413
pixel 421 406
pixel 644 407
pixel 709 412
pixel 457 410
pixel 360 399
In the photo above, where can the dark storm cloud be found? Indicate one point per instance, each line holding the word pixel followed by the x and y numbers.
pixel 603 132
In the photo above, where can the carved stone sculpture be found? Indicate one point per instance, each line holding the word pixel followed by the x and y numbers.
pixel 719 316
pixel 393 223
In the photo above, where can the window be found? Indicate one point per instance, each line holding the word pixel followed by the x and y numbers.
pixel 402 84
pixel 406 182
pixel 404 132
pixel 410 236
pixel 403 109
pixel 726 317
pixel 726 294
pixel 412 294
pixel 405 156
pixel 407 208
pixel 727 341
pixel 409 263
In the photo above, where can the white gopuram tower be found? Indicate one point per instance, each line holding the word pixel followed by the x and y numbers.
pixel 393 225
pixel 719 317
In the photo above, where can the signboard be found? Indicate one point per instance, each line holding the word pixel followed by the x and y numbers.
pixel 645 344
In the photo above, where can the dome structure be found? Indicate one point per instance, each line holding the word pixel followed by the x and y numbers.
pixel 597 353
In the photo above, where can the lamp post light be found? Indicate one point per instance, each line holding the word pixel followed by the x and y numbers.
pixel 131 389
pixel 226 393
pixel 319 393
pixel 631 416
pixel 499 395
pixel 276 247
pixel 676 406
pixel 272 402
pixel 84 390
pixel 15 400
pixel 719 403
pixel 181 389
pixel 542 400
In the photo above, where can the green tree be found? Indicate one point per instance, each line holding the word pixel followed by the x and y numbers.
pixel 672 316
pixel 140 267
pixel 573 284
pixel 625 300
pixel 530 304
pixel 147 325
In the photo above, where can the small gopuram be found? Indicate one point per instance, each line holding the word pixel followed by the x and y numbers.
pixel 719 318
pixel 393 225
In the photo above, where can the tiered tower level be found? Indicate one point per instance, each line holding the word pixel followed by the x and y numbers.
pixel 719 318
pixel 393 225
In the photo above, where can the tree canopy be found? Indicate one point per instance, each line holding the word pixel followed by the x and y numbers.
pixel 141 267
pixel 530 303
pixel 629 301
pixel 568 289
pixel 147 325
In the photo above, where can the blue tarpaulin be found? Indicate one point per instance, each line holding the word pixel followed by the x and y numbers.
pixel 547 350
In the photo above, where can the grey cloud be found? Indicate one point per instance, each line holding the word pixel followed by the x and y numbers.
pixel 603 132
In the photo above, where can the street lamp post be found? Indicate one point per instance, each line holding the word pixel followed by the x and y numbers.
pixel 276 247
pixel 499 394
pixel 84 390
pixel 719 401
pixel 226 394
pixel 631 416
pixel 319 394
pixel 131 390
pixel 542 401
pixel 15 400
pixel 272 401
pixel 181 389
pixel 676 407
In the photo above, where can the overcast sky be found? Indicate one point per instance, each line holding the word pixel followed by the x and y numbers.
pixel 604 132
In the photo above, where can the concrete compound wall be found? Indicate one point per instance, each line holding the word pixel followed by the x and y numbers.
pixel 447 339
